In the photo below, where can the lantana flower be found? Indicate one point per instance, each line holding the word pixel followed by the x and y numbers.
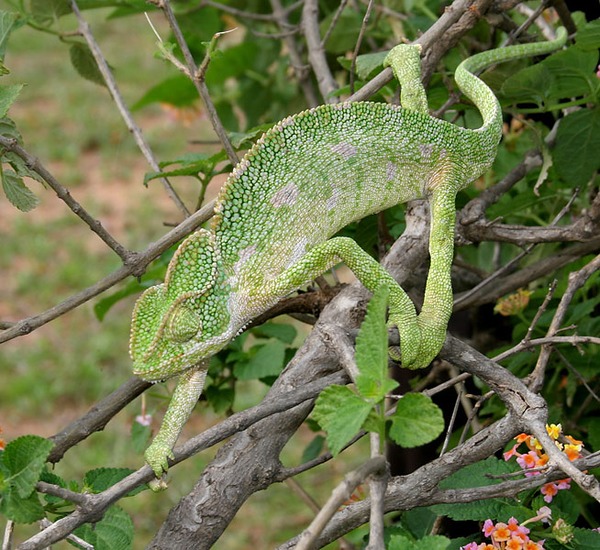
pixel 535 459
pixel 507 536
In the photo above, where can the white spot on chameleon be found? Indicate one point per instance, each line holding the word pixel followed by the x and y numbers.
pixel 333 201
pixel 298 252
pixel 286 196
pixel 426 149
pixel 346 150
pixel 390 171
pixel 245 255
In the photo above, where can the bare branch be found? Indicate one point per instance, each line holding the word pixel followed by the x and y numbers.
pixel 111 83
pixel 136 268
pixel 374 466
pixel 198 79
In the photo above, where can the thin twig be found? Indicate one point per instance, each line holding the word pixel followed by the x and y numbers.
pixel 135 267
pixel 198 79
pixel 576 280
pixel 359 40
pixel 111 83
pixel 338 496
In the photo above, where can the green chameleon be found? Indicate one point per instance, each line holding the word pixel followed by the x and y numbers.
pixel 306 178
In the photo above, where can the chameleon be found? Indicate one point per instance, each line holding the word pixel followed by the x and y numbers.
pixel 275 219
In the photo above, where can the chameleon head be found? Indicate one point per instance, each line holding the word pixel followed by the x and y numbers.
pixel 184 320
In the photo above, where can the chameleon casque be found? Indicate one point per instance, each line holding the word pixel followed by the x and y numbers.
pixel 306 178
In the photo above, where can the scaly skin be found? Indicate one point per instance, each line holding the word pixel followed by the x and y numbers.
pixel 306 178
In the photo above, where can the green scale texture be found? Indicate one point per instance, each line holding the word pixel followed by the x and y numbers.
pixel 305 179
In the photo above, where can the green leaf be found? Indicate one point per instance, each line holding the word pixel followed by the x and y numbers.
pixel 178 91
pixel 577 144
pixel 368 63
pixel 282 331
pixel 140 436
pixel 267 360
pixel 189 165
pixel 24 458
pixel 341 413
pixel 313 449
pixel 417 420
pixel 114 530
pixel 247 138
pixel 85 64
pixel 343 36
pixel 430 542
pixel 373 382
pixel 531 84
pixel 220 398
pixel 17 192
pixel 563 75
pixel 21 510
pixel 100 479
pixel 588 37
pixel 586 539
pixel 8 94
pixel 49 10
pixel 8 23
pixel 481 474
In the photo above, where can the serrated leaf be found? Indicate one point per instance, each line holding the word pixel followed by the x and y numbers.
pixel 24 458
pixel 115 530
pixel 18 194
pixel 268 360
pixel 373 381
pixel 8 94
pixel 341 413
pixel 417 420
pixel 100 479
pixel 84 63
pixel 21 510
pixel 575 153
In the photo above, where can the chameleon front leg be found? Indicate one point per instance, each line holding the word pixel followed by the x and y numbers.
pixel 369 273
pixel 186 395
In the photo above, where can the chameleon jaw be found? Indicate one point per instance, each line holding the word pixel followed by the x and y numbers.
pixel 152 368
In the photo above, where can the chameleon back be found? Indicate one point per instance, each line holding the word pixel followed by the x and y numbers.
pixel 314 173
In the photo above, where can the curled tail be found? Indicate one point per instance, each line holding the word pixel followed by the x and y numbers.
pixel 479 93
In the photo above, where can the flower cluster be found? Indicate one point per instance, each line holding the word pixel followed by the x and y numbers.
pixel 507 536
pixel 535 459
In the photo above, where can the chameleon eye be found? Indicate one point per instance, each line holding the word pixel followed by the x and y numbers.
pixel 183 324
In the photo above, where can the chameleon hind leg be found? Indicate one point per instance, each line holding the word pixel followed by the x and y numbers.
pixel 402 312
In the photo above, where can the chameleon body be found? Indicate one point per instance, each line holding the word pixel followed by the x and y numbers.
pixel 306 178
